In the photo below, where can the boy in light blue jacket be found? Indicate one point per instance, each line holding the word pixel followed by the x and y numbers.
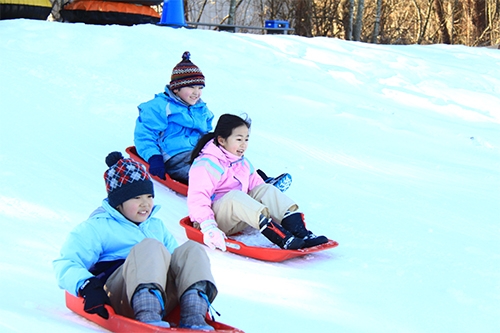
pixel 125 257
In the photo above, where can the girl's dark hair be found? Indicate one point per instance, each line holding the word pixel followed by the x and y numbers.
pixel 225 125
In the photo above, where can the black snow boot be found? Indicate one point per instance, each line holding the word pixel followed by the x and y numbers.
pixel 294 222
pixel 279 236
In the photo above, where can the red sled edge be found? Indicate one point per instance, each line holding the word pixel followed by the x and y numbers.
pixel 256 252
pixel 168 182
pixel 117 323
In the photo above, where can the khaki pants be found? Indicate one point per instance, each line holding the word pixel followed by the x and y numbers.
pixel 149 262
pixel 237 210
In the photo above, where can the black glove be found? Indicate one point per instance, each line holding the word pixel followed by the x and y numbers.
pixel 156 166
pixel 95 297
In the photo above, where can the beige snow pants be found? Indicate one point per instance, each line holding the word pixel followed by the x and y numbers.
pixel 237 210
pixel 150 262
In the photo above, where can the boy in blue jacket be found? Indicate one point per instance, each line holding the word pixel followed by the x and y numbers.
pixel 125 257
pixel 170 125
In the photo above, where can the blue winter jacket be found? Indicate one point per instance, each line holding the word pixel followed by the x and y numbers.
pixel 168 126
pixel 107 236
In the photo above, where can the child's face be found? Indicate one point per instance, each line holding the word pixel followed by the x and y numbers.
pixel 137 209
pixel 237 142
pixel 191 95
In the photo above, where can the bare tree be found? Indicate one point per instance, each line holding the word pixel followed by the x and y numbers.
pixel 493 18
pixel 441 21
pixel 469 22
pixel 453 13
pixel 376 25
pixel 349 20
pixel 358 24
pixel 327 18
pixel 426 22
pixel 200 12
pixel 478 20
pixel 303 13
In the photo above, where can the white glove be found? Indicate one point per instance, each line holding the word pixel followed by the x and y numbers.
pixel 213 237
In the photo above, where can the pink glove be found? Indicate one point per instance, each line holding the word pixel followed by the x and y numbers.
pixel 213 237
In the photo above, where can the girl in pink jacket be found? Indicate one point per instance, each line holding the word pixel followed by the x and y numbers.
pixel 226 194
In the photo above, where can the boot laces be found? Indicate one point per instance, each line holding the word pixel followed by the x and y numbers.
pixel 211 308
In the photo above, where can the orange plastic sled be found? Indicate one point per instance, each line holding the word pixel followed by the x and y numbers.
pixel 121 324
pixel 256 252
pixel 168 182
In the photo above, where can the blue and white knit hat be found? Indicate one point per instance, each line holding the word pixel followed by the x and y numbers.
pixel 125 179
pixel 186 74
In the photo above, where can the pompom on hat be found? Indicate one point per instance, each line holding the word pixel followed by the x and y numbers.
pixel 125 179
pixel 186 74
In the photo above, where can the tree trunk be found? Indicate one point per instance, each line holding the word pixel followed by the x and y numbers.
pixel 454 10
pixel 376 26
pixel 200 12
pixel 443 28
pixel 232 11
pixel 493 20
pixel 348 21
pixel 303 18
pixel 358 25
pixel 426 21
pixel 479 16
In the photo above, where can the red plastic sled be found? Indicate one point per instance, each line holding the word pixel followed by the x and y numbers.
pixel 169 182
pixel 119 324
pixel 256 252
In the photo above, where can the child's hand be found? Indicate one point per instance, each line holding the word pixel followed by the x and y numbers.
pixel 157 166
pixel 95 297
pixel 213 237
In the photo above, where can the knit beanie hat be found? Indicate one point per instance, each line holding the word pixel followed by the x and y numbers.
pixel 125 179
pixel 186 74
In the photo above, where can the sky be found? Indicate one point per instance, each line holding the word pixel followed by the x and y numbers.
pixel 394 153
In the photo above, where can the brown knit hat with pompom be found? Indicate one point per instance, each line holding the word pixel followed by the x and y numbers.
pixel 186 74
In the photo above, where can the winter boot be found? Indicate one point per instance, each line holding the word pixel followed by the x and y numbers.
pixel 294 222
pixel 194 307
pixel 278 235
pixel 148 305
pixel 282 182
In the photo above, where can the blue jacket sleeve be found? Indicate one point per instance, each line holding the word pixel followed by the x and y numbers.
pixel 151 122
pixel 78 254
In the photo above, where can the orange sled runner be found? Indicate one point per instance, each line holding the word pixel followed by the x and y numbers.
pixel 121 324
pixel 256 252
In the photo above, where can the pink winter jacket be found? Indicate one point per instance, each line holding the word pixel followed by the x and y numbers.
pixel 214 173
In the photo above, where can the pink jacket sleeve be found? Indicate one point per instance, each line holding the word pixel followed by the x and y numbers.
pixel 203 178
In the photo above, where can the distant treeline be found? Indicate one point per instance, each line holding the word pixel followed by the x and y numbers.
pixel 467 22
